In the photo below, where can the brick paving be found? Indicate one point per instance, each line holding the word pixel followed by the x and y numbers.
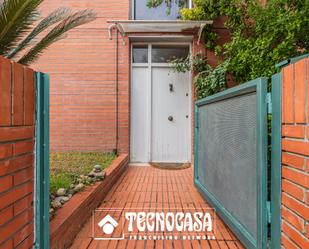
pixel 150 188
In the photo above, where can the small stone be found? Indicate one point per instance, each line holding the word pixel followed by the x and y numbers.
pixel 59 199
pixel 72 186
pixel 69 196
pixel 51 210
pixel 65 198
pixel 61 192
pixel 100 175
pixel 62 199
pixel 97 168
pixel 71 191
pixel 56 204
pixel 79 187
pixel 94 174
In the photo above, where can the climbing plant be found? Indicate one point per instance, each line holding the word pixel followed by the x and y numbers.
pixel 261 35
pixel 208 80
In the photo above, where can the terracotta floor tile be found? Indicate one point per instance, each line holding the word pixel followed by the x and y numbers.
pixel 149 188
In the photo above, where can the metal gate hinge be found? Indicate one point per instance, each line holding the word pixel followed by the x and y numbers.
pixel 196 120
pixel 269 103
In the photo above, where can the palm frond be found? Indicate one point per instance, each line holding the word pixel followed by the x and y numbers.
pixel 73 21
pixel 16 19
pixel 54 17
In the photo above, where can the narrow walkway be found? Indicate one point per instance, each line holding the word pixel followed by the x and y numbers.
pixel 147 187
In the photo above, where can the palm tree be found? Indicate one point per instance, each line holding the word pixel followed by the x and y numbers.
pixel 21 23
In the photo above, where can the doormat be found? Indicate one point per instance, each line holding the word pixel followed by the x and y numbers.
pixel 171 166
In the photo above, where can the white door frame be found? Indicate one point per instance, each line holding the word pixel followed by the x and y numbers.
pixel 149 66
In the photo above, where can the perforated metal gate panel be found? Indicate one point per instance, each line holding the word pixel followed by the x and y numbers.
pixel 230 163
pixel 227 155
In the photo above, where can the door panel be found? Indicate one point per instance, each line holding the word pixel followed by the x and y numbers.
pixel 170 98
pixel 140 115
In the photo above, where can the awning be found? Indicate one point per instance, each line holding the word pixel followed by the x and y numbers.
pixel 127 27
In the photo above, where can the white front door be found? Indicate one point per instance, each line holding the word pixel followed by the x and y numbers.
pixel 160 106
pixel 170 116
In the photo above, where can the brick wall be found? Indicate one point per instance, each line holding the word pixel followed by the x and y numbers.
pixel 83 74
pixel 17 110
pixel 82 69
pixel 295 155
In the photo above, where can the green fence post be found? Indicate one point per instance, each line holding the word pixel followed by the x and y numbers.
pixel 262 145
pixel 196 138
pixel 42 162
pixel 276 163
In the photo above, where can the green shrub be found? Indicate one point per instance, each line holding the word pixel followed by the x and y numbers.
pixel 208 80
pixel 261 36
pixel 211 80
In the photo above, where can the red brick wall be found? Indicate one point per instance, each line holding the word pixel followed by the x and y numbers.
pixel 83 73
pixel 295 155
pixel 17 110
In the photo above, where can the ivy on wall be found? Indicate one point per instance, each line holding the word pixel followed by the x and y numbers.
pixel 208 80
pixel 261 36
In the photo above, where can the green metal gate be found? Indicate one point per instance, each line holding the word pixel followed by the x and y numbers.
pixel 42 162
pixel 230 168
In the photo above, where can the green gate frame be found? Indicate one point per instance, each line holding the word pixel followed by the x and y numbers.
pixel 42 162
pixel 276 152
pixel 260 87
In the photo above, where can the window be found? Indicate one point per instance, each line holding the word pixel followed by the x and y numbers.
pixel 166 53
pixel 159 53
pixel 140 54
pixel 142 12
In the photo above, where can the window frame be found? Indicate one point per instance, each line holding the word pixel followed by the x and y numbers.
pixel 150 44
pixel 190 5
pixel 168 46
pixel 134 45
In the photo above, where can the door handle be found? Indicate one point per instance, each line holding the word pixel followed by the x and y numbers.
pixel 170 118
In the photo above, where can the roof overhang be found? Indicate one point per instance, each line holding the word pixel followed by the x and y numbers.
pixel 129 28
pixel 161 38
